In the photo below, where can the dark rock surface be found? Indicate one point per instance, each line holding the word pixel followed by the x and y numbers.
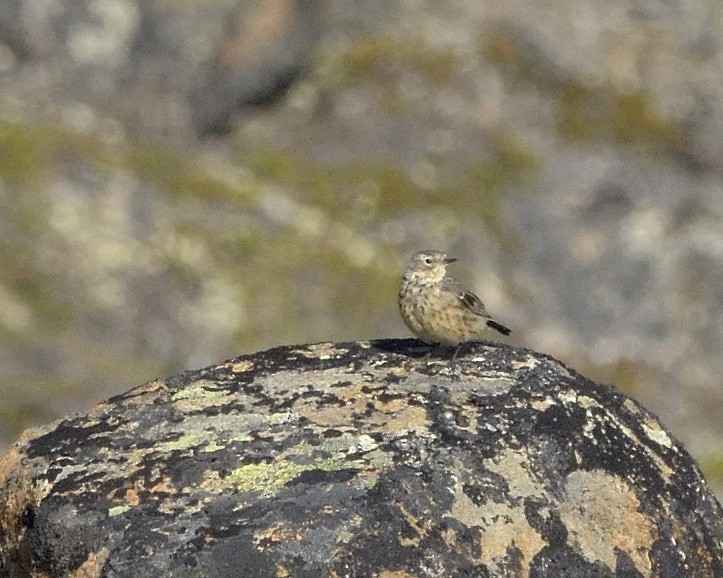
pixel 360 459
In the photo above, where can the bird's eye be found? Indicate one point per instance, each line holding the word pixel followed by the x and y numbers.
pixel 428 260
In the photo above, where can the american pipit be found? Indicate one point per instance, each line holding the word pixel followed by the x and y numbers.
pixel 436 307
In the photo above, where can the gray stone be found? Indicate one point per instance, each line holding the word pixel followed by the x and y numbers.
pixel 161 66
pixel 360 459
pixel 265 51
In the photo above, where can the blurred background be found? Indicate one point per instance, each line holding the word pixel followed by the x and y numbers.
pixel 183 182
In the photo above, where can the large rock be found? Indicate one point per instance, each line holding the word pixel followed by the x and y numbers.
pixel 360 459
pixel 158 66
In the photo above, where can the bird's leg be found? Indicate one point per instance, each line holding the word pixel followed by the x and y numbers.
pixel 432 347
pixel 452 363
pixel 457 349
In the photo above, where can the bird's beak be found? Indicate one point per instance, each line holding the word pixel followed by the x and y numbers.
pixel 448 260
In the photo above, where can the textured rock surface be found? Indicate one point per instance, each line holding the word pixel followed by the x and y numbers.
pixel 360 459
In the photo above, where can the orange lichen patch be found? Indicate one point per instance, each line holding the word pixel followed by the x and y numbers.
pixel 395 416
pixel 321 351
pixel 329 415
pixel 170 506
pixel 16 494
pixel 239 366
pixel 421 528
pixel 93 565
pixel 282 571
pixel 275 534
pixel 336 381
pixel 164 486
pixel 350 400
pixel 703 554
pixel 503 527
pixel 470 413
pixel 346 534
pixel 157 385
pixel 101 407
pixel 391 405
pixel 132 497
pixel 32 433
pixel 410 418
pixel 450 537
pixel 601 514
pixel 213 482
pixel 124 469
pixel 508 528
pixel 142 395
pixel 512 465
pixel 10 464
pixel 395 574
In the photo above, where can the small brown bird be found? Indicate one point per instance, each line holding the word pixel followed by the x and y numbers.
pixel 436 307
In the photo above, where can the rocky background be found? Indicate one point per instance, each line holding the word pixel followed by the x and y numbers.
pixel 182 182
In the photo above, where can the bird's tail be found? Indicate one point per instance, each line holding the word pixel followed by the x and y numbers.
pixel 498 327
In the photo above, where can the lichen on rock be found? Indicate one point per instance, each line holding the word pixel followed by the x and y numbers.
pixel 360 459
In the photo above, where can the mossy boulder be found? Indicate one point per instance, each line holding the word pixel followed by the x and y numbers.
pixel 360 459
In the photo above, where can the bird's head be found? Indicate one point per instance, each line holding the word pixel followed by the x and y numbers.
pixel 428 266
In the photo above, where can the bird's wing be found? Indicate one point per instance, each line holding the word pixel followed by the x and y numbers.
pixel 473 303
pixel 468 299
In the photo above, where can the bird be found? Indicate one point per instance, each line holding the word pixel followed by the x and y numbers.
pixel 437 308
